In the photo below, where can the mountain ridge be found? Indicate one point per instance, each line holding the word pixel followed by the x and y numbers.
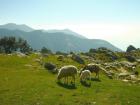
pixel 58 41
pixel 13 26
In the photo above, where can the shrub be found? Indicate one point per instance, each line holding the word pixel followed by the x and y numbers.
pixel 136 73
pixel 61 53
pixel 45 50
pixel 130 58
pixel 130 48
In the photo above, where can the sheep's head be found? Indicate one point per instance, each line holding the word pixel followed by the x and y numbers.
pixel 59 77
pixel 79 72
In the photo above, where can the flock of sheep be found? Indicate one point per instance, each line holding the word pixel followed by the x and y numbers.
pixel 85 73
pixel 72 71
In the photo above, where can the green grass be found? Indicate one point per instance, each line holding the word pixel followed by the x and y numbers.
pixel 23 85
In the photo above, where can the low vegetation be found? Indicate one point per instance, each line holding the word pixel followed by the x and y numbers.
pixel 24 81
pixel 32 79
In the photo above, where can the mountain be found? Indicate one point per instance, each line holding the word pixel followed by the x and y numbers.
pixel 12 26
pixel 58 41
pixel 67 32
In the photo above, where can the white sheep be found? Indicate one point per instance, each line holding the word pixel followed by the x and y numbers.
pixel 67 71
pixel 85 74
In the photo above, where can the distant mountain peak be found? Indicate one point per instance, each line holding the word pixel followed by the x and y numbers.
pixel 10 24
pixel 66 31
pixel 13 26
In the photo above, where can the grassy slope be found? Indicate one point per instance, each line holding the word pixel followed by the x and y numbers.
pixel 21 85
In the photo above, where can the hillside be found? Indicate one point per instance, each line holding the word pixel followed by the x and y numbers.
pixel 58 41
pixel 25 82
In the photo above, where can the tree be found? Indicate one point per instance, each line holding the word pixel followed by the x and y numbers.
pixel 23 46
pixel 45 50
pixel 61 53
pixel 92 50
pixel 8 44
pixel 130 48
pixel 11 44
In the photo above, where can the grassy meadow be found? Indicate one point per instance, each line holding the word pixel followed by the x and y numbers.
pixel 23 81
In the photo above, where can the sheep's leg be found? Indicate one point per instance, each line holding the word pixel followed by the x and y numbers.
pixel 71 81
pixel 64 80
pixel 73 78
pixel 67 79
pixel 90 78
pixel 98 75
pixel 81 79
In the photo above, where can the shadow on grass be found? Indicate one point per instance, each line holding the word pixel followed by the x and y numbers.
pixel 68 86
pixel 84 83
pixel 95 79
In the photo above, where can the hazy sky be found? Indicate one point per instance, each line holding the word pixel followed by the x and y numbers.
pixel 117 21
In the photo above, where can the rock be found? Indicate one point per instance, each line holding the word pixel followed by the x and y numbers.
pixel 50 66
pixel 130 58
pixel 124 80
pixel 60 57
pixel 78 59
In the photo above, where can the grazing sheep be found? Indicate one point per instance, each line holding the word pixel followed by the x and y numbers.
pixel 85 74
pixel 92 68
pixel 67 71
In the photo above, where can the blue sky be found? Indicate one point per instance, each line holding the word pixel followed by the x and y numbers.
pixel 102 19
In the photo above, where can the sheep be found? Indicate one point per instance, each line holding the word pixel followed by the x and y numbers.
pixel 92 68
pixel 85 74
pixel 67 71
